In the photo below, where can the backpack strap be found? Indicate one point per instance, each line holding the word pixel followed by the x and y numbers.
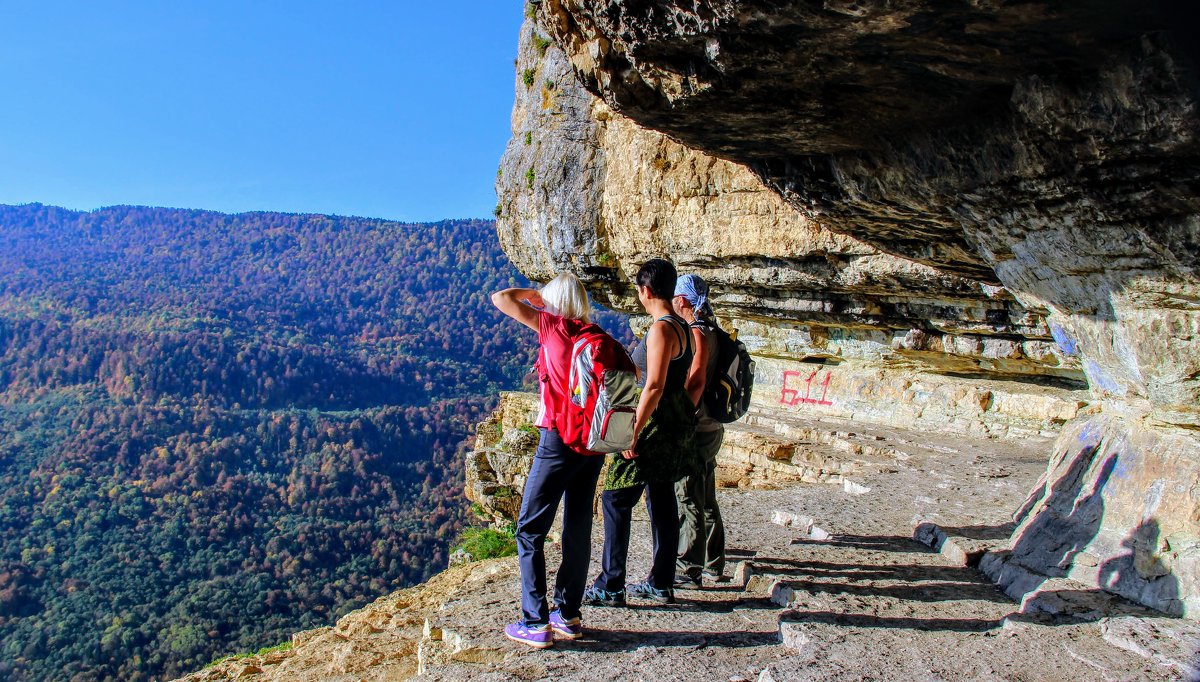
pixel 685 339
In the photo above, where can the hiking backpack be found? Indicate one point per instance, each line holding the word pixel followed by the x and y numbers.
pixel 598 413
pixel 727 396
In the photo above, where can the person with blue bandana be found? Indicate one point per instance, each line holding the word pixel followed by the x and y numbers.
pixel 701 530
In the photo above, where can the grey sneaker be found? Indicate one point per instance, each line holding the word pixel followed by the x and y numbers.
pixel 716 577
pixel 648 591
pixel 599 597
pixel 687 582
pixel 570 628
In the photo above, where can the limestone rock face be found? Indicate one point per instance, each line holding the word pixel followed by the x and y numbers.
pixel 496 470
pixel 1051 147
pixel 1116 509
pixel 976 217
pixel 585 190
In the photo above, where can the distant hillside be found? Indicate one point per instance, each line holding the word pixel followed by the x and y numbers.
pixel 218 429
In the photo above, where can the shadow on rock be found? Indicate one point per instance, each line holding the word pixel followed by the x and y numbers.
pixel 923 591
pixel 861 620
pixel 613 641
pixel 909 572
pixel 999 532
pixel 1046 558
pixel 1067 520
pixel 879 543
pixel 1140 571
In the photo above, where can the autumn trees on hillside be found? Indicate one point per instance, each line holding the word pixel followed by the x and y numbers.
pixel 216 430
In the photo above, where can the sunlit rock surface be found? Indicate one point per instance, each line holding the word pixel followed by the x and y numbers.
pixel 1031 170
pixel 497 468
pixel 584 190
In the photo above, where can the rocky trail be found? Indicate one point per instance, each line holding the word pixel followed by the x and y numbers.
pixel 826 582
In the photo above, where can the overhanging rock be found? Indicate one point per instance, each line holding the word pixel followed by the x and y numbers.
pixel 919 192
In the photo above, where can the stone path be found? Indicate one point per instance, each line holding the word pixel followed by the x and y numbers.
pixel 828 584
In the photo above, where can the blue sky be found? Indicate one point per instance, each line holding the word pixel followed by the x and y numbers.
pixel 384 109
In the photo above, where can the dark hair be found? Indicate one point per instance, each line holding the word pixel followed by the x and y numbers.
pixel 659 275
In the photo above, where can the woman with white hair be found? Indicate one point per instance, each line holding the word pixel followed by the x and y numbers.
pixel 556 313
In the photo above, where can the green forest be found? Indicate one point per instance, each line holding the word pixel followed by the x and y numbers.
pixel 216 430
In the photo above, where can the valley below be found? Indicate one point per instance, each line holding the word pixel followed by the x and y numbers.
pixel 216 430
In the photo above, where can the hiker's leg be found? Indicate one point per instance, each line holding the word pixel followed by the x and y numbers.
pixel 576 535
pixel 714 561
pixel 664 528
pixel 543 490
pixel 618 514
pixel 693 534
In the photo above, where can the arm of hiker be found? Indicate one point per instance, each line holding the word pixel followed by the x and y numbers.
pixel 657 353
pixel 519 304
pixel 698 372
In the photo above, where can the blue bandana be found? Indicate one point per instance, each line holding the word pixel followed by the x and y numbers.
pixel 695 290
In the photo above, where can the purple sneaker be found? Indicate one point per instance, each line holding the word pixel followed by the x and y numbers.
pixel 538 637
pixel 570 628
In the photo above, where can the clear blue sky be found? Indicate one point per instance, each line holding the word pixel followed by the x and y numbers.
pixel 390 109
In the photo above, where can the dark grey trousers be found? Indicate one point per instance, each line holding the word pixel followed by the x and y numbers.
pixel 664 530
pixel 701 531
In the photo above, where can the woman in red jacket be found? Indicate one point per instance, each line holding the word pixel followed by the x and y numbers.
pixel 558 472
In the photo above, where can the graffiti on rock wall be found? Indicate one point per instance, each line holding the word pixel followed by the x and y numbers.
pixel 794 381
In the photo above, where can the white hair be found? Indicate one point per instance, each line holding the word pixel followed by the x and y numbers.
pixel 564 295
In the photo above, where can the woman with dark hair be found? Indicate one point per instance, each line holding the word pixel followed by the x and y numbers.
pixel 661 453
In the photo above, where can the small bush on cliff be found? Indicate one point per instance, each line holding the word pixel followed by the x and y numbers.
pixel 486 543
pixel 284 646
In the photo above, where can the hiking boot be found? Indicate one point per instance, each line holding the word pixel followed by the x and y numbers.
pixel 570 628
pixel 687 582
pixel 648 591
pixel 538 636
pixel 601 597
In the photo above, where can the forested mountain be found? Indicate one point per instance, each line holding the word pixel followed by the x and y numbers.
pixel 218 429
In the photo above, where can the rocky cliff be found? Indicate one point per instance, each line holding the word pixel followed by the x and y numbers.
pixel 979 218
pixel 824 583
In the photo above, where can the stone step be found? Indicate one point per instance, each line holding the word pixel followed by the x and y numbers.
pixel 961 549
pixel 804 524
pixel 756 453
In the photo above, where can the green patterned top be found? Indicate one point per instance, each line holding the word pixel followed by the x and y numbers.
pixel 666 446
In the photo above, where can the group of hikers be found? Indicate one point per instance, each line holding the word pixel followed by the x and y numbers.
pixel 671 458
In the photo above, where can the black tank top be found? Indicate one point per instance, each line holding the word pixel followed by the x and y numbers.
pixel 677 368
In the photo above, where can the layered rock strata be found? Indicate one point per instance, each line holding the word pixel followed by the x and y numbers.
pixel 948 215
pixel 1045 146
pixel 585 190
pixel 497 468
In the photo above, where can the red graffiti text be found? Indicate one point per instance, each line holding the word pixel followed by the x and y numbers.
pixel 789 394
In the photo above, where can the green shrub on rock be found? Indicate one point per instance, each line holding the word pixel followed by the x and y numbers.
pixel 478 544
